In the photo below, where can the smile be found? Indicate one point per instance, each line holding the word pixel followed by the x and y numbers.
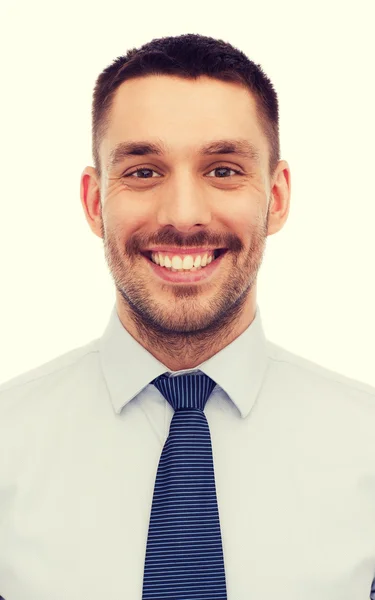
pixel 186 276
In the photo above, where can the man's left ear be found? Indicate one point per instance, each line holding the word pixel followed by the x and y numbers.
pixel 280 197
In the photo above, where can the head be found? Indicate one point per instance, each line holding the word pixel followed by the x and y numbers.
pixel 185 138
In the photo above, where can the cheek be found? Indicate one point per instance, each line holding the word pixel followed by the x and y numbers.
pixel 245 223
pixel 239 218
pixel 123 211
pixel 113 189
pixel 127 227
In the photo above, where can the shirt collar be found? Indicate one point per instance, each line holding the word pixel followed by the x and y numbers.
pixel 239 368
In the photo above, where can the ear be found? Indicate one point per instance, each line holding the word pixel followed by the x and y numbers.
pixel 280 197
pixel 90 199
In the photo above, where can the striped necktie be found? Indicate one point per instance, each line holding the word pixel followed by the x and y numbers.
pixel 184 554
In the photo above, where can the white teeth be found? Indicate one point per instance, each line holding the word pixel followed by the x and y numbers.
pixel 198 262
pixel 187 263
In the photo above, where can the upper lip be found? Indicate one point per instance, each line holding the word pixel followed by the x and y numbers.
pixel 183 250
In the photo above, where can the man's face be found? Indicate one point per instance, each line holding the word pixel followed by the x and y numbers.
pixel 183 199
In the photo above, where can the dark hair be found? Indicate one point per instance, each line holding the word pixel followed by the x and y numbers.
pixel 188 56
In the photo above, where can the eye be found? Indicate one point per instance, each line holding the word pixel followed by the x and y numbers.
pixel 224 168
pixel 140 171
pixel 148 171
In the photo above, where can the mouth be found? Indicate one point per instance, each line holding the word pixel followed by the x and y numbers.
pixel 217 253
pixel 186 276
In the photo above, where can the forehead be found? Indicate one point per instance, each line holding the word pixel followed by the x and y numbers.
pixel 186 114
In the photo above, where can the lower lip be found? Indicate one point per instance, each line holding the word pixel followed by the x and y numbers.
pixel 188 276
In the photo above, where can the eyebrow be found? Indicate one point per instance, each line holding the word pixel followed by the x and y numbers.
pixel 241 147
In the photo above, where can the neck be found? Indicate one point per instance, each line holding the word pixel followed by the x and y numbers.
pixel 179 350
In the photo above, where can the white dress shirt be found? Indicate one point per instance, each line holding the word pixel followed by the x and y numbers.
pixel 294 458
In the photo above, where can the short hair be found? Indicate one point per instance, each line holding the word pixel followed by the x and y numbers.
pixel 188 56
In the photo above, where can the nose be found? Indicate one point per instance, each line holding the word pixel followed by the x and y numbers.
pixel 184 202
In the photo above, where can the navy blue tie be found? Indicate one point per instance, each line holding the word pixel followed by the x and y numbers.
pixel 184 554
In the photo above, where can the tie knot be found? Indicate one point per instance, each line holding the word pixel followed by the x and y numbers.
pixel 185 391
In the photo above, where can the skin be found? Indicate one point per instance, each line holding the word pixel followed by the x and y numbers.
pixel 183 201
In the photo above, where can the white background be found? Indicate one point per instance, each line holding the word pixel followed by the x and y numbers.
pixel 316 286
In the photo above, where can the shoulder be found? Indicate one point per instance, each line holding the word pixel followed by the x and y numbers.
pixel 44 377
pixel 298 369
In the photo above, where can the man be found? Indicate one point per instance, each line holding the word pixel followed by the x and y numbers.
pixel 182 455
